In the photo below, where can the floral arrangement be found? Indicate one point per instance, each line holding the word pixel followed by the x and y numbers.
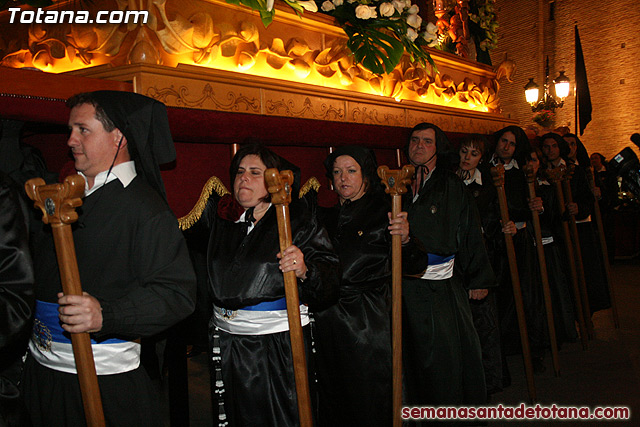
pixel 381 31
pixel 545 118
pixel 266 10
pixel 483 25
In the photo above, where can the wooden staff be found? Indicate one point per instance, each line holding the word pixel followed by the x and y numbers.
pixel 603 248
pixel 279 185
pixel 556 176
pixel 58 203
pixel 531 176
pixel 396 182
pixel 573 227
pixel 498 181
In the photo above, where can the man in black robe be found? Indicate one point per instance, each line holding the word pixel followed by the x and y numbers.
pixel 16 300
pixel 442 358
pixel 134 266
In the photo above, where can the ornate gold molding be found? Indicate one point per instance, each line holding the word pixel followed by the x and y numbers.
pixel 215 35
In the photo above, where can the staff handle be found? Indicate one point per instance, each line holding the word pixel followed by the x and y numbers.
pixel 396 183
pixel 556 176
pixel 279 185
pixel 498 181
pixel 573 227
pixel 603 248
pixel 58 203
pixel 542 263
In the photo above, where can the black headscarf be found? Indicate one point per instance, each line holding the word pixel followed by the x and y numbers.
pixel 523 146
pixel 562 144
pixel 144 123
pixel 446 156
pixel 253 146
pixel 365 157
pixel 582 156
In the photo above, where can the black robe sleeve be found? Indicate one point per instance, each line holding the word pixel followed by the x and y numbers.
pixel 16 275
pixel 472 258
pixel 581 192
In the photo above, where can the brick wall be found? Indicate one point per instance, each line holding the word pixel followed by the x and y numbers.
pixel 610 37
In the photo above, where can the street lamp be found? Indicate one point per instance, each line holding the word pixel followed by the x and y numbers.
pixel 548 101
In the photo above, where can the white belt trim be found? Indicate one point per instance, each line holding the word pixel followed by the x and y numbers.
pixel 439 271
pixel 114 358
pixel 249 322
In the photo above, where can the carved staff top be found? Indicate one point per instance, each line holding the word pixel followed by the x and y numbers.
pixel 279 185
pixel 570 169
pixel 556 174
pixel 396 182
pixel 497 172
pixel 529 173
pixel 57 201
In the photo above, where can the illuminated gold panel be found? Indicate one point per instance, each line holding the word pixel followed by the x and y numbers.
pixel 278 103
pixel 213 34
pixel 190 93
pixel 360 112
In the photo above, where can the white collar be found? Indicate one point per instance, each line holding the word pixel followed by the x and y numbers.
pixel 124 172
pixel 477 177
pixel 253 224
pixel 513 163
pixel 426 178
pixel 560 163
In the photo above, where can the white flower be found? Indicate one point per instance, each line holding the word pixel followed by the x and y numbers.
pixel 413 9
pixel 363 12
pixel 327 6
pixel 431 34
pixel 309 5
pixel 387 9
pixel 374 12
pixel 270 5
pixel 337 2
pixel 411 34
pixel 414 21
pixel 399 5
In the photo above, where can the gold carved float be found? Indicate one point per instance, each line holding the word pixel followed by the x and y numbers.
pixel 211 55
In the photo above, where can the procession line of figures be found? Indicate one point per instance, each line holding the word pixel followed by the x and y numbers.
pixel 458 320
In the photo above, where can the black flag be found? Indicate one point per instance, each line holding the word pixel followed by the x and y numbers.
pixel 583 98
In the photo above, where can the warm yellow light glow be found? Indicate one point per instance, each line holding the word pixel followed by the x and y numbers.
pixel 257 65
pixel 562 86
pixel 532 95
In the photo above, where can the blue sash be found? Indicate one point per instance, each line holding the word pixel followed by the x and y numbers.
pixel 439 259
pixel 279 304
pixel 47 314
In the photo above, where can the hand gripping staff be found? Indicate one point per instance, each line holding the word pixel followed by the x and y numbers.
pixel 556 176
pixel 498 181
pixel 279 185
pixel 531 177
pixel 566 186
pixel 603 249
pixel 396 182
pixel 58 203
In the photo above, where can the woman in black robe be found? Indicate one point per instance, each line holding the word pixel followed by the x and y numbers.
pixel 592 261
pixel 559 285
pixel 512 148
pixel 249 328
pixel 473 171
pixel 353 339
